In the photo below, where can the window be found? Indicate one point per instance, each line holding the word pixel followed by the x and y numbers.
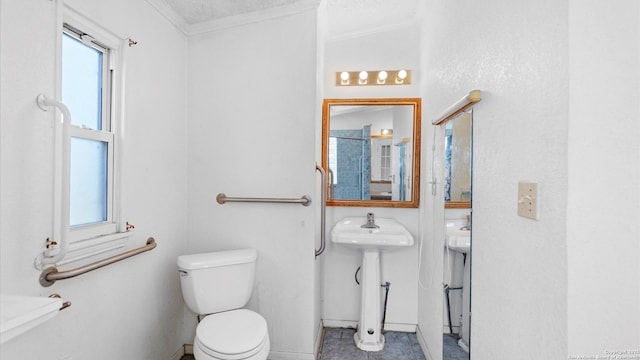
pixel 88 64
pixel 385 162
pixel 333 159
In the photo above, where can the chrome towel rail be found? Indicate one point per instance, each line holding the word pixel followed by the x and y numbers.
pixel 304 200
pixel 51 274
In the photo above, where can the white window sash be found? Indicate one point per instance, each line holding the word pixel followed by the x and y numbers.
pixel 89 241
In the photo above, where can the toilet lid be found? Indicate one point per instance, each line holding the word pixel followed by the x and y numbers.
pixel 232 332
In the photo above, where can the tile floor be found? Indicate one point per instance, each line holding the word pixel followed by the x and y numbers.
pixel 338 345
pixel 451 350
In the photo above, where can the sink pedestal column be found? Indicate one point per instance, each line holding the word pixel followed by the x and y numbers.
pixel 369 335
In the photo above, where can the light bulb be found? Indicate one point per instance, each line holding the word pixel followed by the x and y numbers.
pixel 363 77
pixel 402 74
pixel 382 76
pixel 344 78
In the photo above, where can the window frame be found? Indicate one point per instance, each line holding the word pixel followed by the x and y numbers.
pixel 88 240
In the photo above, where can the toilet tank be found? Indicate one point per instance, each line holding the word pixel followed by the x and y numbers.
pixel 217 281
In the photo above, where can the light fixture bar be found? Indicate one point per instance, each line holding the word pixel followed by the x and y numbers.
pixel 459 106
pixel 376 77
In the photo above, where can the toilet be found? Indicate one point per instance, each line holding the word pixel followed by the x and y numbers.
pixel 218 285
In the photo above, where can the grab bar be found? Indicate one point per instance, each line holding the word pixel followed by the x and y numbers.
pixel 323 209
pixel 304 200
pixel 44 103
pixel 51 274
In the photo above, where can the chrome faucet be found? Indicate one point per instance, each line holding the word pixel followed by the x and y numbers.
pixel 371 223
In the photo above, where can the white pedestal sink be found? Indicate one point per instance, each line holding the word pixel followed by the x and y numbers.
pixel 390 234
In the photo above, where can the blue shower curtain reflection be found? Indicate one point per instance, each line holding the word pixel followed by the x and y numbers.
pixel 401 172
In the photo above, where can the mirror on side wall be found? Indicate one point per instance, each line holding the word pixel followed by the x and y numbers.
pixel 457 188
pixel 371 151
pixel 458 239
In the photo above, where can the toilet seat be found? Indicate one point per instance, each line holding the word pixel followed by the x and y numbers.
pixel 233 335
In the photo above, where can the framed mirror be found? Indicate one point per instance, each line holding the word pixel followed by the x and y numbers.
pixel 371 151
pixel 457 164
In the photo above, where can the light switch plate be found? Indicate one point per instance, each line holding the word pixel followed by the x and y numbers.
pixel 528 200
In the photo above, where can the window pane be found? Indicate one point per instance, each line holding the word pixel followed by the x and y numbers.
pixel 82 82
pixel 88 181
pixel 333 158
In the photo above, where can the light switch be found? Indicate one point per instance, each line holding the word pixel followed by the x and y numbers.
pixel 528 200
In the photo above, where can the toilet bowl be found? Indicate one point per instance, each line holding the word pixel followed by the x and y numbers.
pixel 232 335
pixel 218 285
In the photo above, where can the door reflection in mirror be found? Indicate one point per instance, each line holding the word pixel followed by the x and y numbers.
pixel 457 187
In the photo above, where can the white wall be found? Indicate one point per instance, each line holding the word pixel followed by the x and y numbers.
pixel 517 54
pixel 252 120
pixel 388 48
pixel 557 81
pixel 604 178
pixel 131 309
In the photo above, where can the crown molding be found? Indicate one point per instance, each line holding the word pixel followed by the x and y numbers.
pixel 167 11
pixel 253 17
pixel 232 21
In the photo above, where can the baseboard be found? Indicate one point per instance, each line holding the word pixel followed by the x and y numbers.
pixel 410 328
pixel 423 344
pixel 319 340
pixel 340 323
pixel 188 349
pixel 354 324
pixel 184 350
pixel 278 355
pixel 178 354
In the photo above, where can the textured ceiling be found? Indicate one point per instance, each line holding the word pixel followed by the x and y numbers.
pixel 340 16
pixel 198 11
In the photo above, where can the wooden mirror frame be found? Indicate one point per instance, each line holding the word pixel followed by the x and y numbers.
pixel 415 188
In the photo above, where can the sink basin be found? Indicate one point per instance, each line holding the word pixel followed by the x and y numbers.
pixel 458 240
pixel 21 313
pixel 390 234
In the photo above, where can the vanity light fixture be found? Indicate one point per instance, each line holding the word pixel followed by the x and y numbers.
pixel 386 131
pixel 376 77
pixel 459 106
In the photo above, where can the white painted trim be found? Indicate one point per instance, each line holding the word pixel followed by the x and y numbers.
pixel 167 11
pixel 232 21
pixel 423 344
pixel 88 248
pixel 178 354
pixel 352 324
pixel 319 339
pixel 253 17
pixel 279 355
pixel 410 328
